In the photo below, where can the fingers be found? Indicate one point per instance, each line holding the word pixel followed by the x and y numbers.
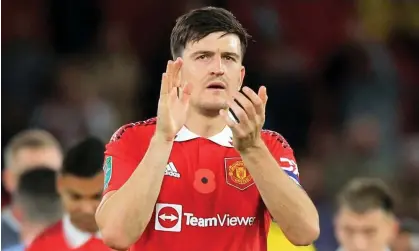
pixel 257 102
pixel 249 108
pixel 252 103
pixel 235 127
pixel 238 111
pixel 176 75
pixel 186 93
pixel 171 78
pixel 229 121
pixel 263 95
pixel 164 89
pixel 169 74
pixel 246 104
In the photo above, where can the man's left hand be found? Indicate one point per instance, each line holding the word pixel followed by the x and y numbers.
pixel 251 116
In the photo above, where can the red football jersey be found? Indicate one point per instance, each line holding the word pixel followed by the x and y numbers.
pixel 63 236
pixel 208 200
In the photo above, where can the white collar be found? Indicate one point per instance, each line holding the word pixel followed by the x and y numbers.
pixel 10 219
pixel 223 138
pixel 74 237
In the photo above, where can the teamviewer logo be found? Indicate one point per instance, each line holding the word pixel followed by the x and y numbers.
pixel 168 217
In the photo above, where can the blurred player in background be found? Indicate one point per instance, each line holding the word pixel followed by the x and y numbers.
pixel 80 185
pixel 365 219
pixel 195 178
pixel 408 236
pixel 25 151
pixel 37 204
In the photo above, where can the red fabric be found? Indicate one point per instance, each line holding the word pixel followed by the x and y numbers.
pixel 52 239
pixel 205 207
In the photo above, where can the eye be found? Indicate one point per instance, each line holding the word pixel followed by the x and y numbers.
pixel 228 58
pixel 75 196
pixel 97 196
pixel 203 56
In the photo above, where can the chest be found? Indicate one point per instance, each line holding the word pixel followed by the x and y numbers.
pixel 209 179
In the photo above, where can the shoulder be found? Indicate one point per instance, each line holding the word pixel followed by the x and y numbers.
pixel 136 130
pixel 19 247
pixel 5 226
pixel 273 138
pixel 50 233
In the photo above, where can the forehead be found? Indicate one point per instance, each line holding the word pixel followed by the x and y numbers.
pixel 87 186
pixel 372 217
pixel 30 156
pixel 216 42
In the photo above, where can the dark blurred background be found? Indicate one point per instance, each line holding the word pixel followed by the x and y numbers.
pixel 342 76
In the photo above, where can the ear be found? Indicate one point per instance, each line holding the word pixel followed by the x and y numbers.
pixel 59 183
pixel 335 219
pixel 242 74
pixel 395 227
pixel 9 180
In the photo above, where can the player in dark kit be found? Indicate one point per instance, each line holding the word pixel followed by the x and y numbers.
pixel 195 178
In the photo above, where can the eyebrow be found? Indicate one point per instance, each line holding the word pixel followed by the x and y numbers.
pixel 79 194
pixel 203 52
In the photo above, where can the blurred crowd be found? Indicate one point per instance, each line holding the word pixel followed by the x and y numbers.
pixel 342 76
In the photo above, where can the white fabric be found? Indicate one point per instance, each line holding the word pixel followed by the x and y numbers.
pixel 75 237
pixel 223 138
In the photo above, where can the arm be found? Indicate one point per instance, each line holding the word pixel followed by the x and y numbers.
pixel 286 201
pixel 289 205
pixel 124 214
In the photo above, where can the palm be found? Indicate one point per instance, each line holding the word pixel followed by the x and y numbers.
pixel 172 110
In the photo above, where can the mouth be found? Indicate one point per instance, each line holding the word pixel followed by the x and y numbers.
pixel 216 86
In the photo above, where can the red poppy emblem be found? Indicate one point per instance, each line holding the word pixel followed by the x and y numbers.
pixel 204 181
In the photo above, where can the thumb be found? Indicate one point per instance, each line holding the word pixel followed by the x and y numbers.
pixel 262 93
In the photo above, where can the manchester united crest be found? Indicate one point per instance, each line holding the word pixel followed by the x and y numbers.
pixel 236 174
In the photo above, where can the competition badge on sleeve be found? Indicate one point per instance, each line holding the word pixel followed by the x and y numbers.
pixel 107 168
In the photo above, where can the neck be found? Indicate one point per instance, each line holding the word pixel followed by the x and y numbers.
pixel 204 125
pixel 90 231
pixel 29 231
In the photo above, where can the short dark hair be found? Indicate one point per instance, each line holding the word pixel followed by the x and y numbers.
pixel 363 194
pixel 85 159
pixel 37 196
pixel 199 23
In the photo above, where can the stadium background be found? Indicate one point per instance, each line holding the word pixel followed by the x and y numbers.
pixel 342 76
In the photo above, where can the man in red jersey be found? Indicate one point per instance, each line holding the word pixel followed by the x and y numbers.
pixel 27 150
pixel 36 204
pixel 80 185
pixel 195 178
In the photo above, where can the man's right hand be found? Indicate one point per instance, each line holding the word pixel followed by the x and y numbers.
pixel 172 109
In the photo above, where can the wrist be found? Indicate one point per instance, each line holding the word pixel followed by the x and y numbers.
pixel 257 146
pixel 162 139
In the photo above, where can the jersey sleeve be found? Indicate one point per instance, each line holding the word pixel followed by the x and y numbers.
pixel 122 155
pixel 283 154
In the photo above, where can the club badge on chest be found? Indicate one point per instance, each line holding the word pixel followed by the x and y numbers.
pixel 237 175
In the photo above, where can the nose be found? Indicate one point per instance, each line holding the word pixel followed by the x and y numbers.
pixel 89 207
pixel 360 242
pixel 217 66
